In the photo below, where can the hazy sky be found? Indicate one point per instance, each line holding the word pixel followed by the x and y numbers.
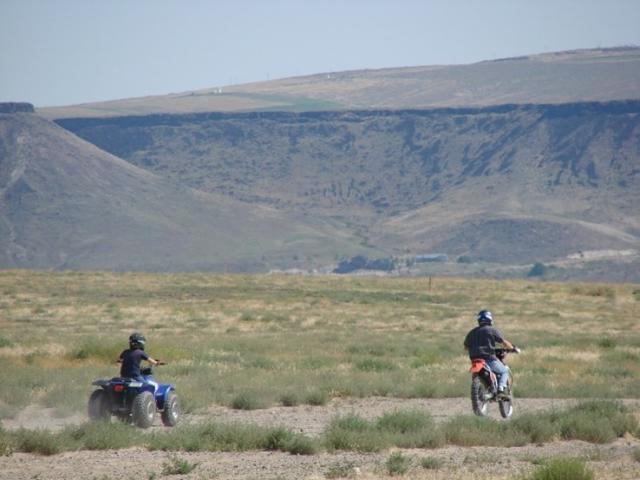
pixel 59 52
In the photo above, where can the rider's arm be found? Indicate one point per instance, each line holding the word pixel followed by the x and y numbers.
pixel 507 344
pixel 153 361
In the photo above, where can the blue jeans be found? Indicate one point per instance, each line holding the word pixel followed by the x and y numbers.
pixel 501 371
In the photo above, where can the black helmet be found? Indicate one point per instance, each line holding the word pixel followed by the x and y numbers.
pixel 485 317
pixel 137 340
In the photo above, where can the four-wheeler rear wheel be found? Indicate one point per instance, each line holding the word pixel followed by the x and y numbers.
pixel 171 411
pixel 143 409
pixel 99 405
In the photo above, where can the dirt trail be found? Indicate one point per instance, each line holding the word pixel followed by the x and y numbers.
pixel 613 460
pixel 310 420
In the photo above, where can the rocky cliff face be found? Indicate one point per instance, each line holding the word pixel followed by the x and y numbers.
pixel 511 183
pixel 16 107
pixel 383 161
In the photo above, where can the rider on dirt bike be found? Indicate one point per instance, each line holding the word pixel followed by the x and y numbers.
pixel 481 341
pixel 133 356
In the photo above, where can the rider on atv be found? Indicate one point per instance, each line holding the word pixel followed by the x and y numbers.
pixel 481 341
pixel 133 356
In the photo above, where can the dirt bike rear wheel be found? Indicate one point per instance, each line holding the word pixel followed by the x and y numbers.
pixel 479 394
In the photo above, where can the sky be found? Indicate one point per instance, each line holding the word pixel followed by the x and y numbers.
pixel 62 52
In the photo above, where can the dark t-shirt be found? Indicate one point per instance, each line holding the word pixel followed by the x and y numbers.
pixel 481 341
pixel 131 360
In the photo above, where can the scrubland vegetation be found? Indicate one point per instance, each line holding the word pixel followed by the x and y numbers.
pixel 256 341
pixel 250 342
pixel 596 422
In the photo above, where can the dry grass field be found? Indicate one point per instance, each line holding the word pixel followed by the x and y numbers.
pixel 291 348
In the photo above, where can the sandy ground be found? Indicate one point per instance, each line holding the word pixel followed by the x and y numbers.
pixel 613 460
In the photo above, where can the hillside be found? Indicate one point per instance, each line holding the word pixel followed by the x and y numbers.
pixel 507 184
pixel 497 165
pixel 66 204
pixel 562 77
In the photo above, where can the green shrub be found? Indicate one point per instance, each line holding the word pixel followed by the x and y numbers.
pixel 178 466
pixel 103 435
pixel 212 437
pixel 431 463
pixel 6 443
pixel 5 342
pixel 341 470
pixel 562 469
pixel 38 441
pixel 636 454
pixel 301 445
pixel 337 439
pixel 583 426
pixel 538 428
pixel 215 437
pixel 594 421
pixel 352 422
pixel 405 421
pixel 597 422
pixel 247 401
pixel 316 398
pixel 468 430
pixel 397 464
pixel 607 342
pixel 289 399
pixel 353 432
pixel 247 317
pixel 277 438
pixel 427 438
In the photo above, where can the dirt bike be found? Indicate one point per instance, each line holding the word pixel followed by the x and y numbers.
pixel 484 386
pixel 133 401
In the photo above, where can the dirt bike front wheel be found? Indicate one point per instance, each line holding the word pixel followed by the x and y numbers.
pixel 505 405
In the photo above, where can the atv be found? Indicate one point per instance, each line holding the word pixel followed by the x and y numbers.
pixel 133 401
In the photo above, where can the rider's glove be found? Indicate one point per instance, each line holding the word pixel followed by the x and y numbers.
pixel 516 349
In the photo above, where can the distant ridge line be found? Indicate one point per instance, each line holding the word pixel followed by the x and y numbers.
pixel 553 110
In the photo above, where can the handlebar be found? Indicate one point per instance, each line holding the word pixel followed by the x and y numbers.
pixel 502 352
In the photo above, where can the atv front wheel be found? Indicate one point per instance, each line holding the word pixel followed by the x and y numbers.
pixel 171 411
pixel 143 409
pixel 99 407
